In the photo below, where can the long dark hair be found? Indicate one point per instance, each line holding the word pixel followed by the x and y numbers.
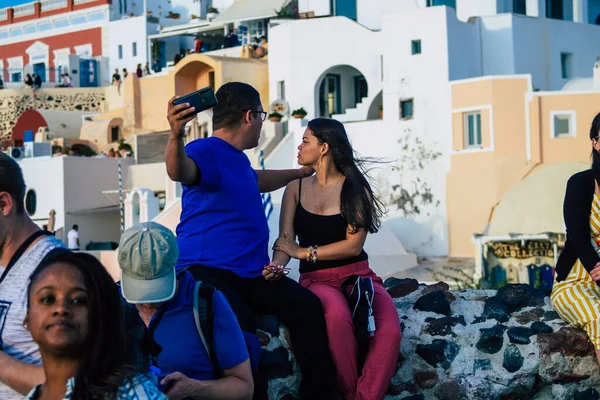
pixel 594 132
pixel 358 204
pixel 103 367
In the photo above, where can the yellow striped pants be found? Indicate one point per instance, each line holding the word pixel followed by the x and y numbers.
pixel 577 301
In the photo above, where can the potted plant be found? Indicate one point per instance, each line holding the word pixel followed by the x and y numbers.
pixel 173 15
pixel 212 13
pixel 275 117
pixel 194 16
pixel 299 113
pixel 380 111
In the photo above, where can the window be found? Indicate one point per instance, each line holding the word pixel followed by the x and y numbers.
pixel 30 202
pixel 562 124
pixel 520 7
pixel 61 23
pixel 416 47
pixel 361 90
pixel 120 52
pixel 44 26
pixel 281 90
pixel 80 19
pixel 449 3
pixel 134 49
pixel 566 65
pixel 16 32
pixel 29 29
pixel 554 9
pixel 473 130
pixel 114 134
pixel 406 109
pixel 16 77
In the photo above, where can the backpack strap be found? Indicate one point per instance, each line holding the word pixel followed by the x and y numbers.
pixel 21 250
pixel 205 318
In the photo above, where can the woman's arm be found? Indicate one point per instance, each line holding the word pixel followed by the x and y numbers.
pixel 577 208
pixel 286 220
pixel 349 247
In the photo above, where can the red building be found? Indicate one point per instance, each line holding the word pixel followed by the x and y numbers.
pixel 38 37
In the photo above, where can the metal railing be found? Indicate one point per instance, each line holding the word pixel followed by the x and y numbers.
pixel 77 2
pixel 25 9
pixel 3 14
pixel 47 5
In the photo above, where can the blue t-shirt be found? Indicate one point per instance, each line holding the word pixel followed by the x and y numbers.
pixel 223 223
pixel 182 348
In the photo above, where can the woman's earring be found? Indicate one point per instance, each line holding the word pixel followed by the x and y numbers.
pixel 26 326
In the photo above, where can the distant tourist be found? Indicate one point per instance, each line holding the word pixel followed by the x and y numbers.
pixel 198 45
pixel 29 85
pixel 23 245
pixel 1 83
pixel 331 213
pixel 575 294
pixel 156 66
pixel 116 80
pixel 68 80
pixel 231 251
pixel 176 59
pixel 147 69
pixel 73 238
pixel 74 314
pixel 65 81
pixel 187 368
pixel 125 73
pixel 138 71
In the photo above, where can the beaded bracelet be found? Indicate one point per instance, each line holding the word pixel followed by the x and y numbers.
pixel 311 254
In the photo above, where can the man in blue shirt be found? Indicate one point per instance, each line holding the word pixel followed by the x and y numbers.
pixel 164 299
pixel 223 233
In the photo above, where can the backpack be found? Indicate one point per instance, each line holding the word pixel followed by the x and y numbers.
pixel 204 315
pixel 360 300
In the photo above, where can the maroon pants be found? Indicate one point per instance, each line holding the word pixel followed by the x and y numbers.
pixel 384 347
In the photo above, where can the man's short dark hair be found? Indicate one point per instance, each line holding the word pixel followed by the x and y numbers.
pixel 75 226
pixel 233 97
pixel 12 182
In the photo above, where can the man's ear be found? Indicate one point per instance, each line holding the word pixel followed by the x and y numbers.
pixel 248 117
pixel 6 204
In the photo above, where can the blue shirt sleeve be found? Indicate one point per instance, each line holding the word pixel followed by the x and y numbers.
pixel 230 347
pixel 202 155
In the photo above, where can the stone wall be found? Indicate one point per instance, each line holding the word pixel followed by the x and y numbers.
pixel 13 102
pixel 474 344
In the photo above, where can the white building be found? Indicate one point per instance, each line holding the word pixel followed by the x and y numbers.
pixel 402 55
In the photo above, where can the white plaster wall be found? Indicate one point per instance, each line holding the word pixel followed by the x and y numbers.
pixel 125 32
pixel 497 45
pixel 45 176
pixel 86 179
pixel 302 67
pixel 103 226
pixel 539 42
pixel 464 48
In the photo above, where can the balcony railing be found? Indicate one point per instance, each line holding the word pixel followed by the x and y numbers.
pixel 24 10
pixel 77 2
pixel 3 15
pixel 48 5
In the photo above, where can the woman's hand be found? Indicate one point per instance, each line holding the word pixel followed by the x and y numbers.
pixel 595 273
pixel 288 246
pixel 274 272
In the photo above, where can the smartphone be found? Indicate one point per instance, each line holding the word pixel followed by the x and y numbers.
pixel 201 100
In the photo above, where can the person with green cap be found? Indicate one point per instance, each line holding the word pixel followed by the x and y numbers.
pixel 165 300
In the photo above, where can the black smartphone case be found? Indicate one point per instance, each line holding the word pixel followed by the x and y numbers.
pixel 201 100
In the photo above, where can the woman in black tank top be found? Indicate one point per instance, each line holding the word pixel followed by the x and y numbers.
pixel 331 214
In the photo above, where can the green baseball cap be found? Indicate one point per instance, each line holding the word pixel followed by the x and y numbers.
pixel 147 256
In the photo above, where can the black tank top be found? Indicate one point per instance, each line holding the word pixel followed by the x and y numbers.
pixel 320 230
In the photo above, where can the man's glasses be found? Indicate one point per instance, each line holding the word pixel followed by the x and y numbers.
pixel 263 114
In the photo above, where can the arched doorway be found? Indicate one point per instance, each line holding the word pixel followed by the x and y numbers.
pixel 195 72
pixel 338 89
pixel 376 108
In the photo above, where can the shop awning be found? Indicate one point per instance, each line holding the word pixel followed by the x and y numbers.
pixel 250 10
pixel 187 29
pixel 534 205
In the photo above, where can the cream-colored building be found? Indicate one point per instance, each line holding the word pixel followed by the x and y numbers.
pixel 502 132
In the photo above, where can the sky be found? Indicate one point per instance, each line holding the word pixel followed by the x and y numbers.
pixel 12 3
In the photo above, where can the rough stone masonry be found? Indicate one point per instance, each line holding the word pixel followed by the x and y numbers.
pixel 470 344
